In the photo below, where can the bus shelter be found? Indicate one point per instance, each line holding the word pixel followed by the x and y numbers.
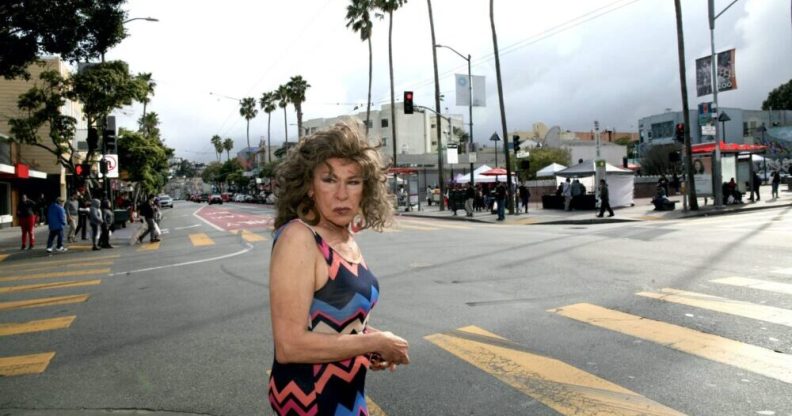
pixel 405 181
pixel 735 164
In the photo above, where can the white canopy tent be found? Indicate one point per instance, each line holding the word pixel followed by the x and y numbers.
pixel 479 178
pixel 621 182
pixel 550 170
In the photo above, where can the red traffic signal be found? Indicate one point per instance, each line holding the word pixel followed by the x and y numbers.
pixel 408 102
pixel 680 132
pixel 83 169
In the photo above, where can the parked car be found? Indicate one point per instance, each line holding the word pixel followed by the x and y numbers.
pixel 239 198
pixel 215 199
pixel 205 197
pixel 165 201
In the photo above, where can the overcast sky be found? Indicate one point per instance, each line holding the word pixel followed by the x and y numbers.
pixel 563 62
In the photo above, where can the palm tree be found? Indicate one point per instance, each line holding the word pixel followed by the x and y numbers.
pixel 509 195
pixel 389 6
pixel 267 103
pixel 297 87
pixel 685 111
pixel 217 142
pixel 148 124
pixel 248 110
pixel 228 145
pixel 282 94
pixel 148 89
pixel 359 18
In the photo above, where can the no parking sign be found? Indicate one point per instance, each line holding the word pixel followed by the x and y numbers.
pixel 112 165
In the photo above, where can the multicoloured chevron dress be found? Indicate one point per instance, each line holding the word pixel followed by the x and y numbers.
pixel 341 306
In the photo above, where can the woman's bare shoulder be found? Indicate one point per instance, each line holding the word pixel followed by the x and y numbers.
pixel 295 234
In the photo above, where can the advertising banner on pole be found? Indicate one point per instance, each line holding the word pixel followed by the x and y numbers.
pixel 727 79
pixel 463 90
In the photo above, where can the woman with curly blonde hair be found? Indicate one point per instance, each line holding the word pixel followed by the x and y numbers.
pixel 331 184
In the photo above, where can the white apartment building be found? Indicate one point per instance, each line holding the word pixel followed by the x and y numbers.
pixel 417 132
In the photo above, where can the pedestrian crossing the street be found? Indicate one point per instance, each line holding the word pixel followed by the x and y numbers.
pixel 34 284
pixel 568 390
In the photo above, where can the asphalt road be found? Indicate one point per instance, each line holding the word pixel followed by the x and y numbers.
pixel 666 317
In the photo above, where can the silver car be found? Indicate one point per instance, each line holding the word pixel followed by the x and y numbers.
pixel 165 201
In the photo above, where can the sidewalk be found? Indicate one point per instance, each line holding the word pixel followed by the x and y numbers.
pixel 642 210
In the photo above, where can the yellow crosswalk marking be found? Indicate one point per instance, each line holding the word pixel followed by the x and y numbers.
pixel 712 347
pixel 718 304
pixel 69 266
pixel 35 303
pixel 437 224
pixel 25 364
pixel 36 326
pixel 769 286
pixel 560 386
pixel 149 246
pixel 3 256
pixel 373 408
pixel 252 237
pixel 45 286
pixel 44 263
pixel 201 239
pixel 406 226
pixel 80 247
pixel 51 275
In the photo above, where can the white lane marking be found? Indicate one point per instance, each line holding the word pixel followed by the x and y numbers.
pixel 187 263
pixel 189 226
pixel 195 214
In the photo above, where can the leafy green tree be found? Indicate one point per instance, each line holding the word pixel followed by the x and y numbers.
pixel 228 146
pixel 217 142
pixel 359 19
pixel 268 105
pixel 211 173
pixel 185 169
pixel 655 160
pixel 779 98
pixel 147 89
pixel 462 137
pixel 544 156
pixel 73 29
pixel 268 169
pixel 144 159
pixel 297 87
pixel 283 100
pixel 149 124
pixel 248 111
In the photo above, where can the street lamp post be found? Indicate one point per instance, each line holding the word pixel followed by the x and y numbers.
pixel 716 171
pixel 723 118
pixel 148 19
pixel 470 105
pixel 496 139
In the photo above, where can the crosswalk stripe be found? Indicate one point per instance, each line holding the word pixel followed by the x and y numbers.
pixel 373 408
pixel 70 265
pixel 43 263
pixel 14 278
pixel 35 303
pixel 718 304
pixel 560 386
pixel 3 256
pixel 437 224
pixel 784 288
pixel 46 286
pixel 36 326
pixel 712 347
pixel 201 239
pixel 150 246
pixel 25 364
pixel 404 226
pixel 252 237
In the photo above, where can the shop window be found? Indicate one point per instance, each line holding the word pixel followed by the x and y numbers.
pixel 384 123
pixel 5 152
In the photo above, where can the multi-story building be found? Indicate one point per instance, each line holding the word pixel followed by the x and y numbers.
pixel 30 169
pixel 742 126
pixel 417 132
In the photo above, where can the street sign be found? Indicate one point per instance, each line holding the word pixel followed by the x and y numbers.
pixel 112 165
pixel 522 154
pixel 707 130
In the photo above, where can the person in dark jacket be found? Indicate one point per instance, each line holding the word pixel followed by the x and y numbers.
pixel 775 183
pixel 605 199
pixel 147 211
pixel 756 182
pixel 56 219
pixel 83 206
pixel 26 215
pixel 95 217
pixel 107 224
pixel 500 197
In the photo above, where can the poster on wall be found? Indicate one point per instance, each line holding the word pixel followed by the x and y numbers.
pixel 727 79
pixel 702 175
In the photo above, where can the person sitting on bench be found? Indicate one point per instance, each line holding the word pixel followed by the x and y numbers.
pixel 661 201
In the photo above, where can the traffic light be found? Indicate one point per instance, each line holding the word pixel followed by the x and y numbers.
pixel 109 142
pixel 103 167
pixel 408 102
pixel 83 170
pixel 516 142
pixel 93 139
pixel 680 132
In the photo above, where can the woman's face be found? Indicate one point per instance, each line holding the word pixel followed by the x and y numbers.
pixel 337 190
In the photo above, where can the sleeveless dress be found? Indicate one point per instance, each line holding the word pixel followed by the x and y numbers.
pixel 341 306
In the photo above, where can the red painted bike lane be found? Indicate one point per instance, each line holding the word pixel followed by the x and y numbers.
pixel 228 219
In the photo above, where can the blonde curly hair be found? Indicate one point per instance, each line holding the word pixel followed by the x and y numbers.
pixel 295 175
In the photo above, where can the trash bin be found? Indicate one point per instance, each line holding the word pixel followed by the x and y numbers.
pixel 120 217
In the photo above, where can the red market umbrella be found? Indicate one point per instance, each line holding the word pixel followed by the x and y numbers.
pixel 494 172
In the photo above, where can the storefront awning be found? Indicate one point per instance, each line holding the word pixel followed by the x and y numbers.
pixel 706 148
pixel 20 171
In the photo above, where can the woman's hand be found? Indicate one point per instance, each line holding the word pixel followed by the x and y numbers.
pixel 393 350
